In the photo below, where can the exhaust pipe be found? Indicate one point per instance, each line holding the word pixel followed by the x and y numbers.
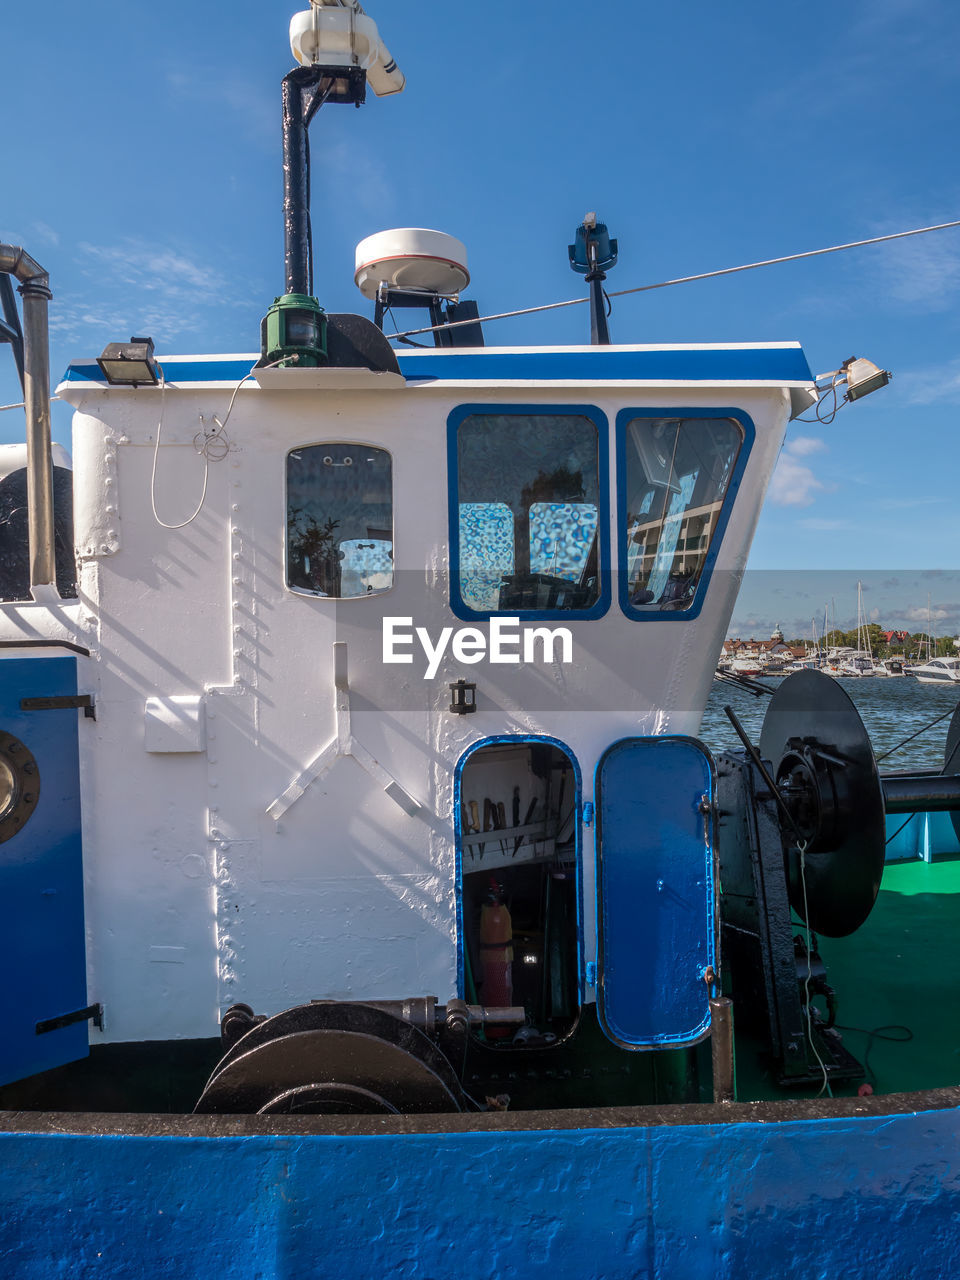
pixel 35 290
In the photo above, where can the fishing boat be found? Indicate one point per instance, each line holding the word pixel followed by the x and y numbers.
pixel 372 906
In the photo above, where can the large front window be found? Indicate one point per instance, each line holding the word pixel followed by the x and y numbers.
pixel 528 521
pixel 339 520
pixel 676 475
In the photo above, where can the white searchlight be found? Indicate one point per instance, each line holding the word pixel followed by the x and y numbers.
pixel 335 34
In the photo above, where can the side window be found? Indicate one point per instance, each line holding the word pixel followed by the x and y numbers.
pixel 675 473
pixel 527 513
pixel 339 520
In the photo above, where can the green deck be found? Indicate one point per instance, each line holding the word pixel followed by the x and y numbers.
pixel 900 970
pixel 903 967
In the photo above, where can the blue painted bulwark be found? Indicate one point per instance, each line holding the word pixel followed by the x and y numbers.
pixel 868 1197
pixel 42 952
pixel 923 835
pixel 656 890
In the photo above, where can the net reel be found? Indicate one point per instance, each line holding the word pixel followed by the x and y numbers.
pixel 827 775
pixel 802 831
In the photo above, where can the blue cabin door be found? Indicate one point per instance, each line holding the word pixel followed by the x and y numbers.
pixel 655 885
pixel 42 949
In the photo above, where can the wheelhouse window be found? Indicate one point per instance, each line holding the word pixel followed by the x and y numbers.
pixel 528 524
pixel 676 475
pixel 339 520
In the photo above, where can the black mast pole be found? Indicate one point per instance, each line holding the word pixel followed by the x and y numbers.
pixel 296 187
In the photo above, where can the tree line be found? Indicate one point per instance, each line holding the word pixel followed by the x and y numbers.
pixel 942 646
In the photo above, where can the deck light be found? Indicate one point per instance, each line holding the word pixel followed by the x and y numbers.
pixel 129 364
pixel 863 376
pixel 463 697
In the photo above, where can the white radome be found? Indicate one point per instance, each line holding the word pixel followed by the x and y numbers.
pixel 411 258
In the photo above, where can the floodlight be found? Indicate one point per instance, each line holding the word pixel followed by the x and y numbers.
pixel 129 364
pixel 863 376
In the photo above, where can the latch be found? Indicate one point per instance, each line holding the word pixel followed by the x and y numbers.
pixel 93 1013
pixel 62 702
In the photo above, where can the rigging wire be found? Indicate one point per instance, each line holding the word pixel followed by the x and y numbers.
pixel 917 734
pixel 20 404
pixel 703 275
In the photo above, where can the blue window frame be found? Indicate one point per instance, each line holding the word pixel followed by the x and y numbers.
pixel 529 511
pixel 678 473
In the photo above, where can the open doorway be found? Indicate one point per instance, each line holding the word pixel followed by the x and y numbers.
pixel 519 836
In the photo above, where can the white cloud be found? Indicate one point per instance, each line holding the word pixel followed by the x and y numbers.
pixel 164 271
pixel 927 386
pixel 803 446
pixel 923 271
pixel 142 286
pixel 921 615
pixel 793 483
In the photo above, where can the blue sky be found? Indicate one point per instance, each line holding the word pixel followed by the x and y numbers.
pixel 142 168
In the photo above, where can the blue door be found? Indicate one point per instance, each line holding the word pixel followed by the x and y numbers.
pixel 656 918
pixel 42 952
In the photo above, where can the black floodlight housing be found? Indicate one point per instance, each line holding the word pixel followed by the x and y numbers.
pixel 129 364
pixel 863 376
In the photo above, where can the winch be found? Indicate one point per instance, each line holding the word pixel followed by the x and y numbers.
pixel 802 828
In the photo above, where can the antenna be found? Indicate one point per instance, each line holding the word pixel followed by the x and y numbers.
pixel 339 49
pixel 591 255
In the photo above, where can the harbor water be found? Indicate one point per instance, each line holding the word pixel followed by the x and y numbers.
pixel 891 710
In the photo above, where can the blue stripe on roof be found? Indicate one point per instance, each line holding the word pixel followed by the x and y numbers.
pixel 749 364
pixel 752 364
pixel 174 371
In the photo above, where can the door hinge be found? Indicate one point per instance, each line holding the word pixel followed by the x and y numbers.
pixel 62 702
pixel 590 975
pixel 93 1013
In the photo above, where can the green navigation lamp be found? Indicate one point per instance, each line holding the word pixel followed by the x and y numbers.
pixel 294 326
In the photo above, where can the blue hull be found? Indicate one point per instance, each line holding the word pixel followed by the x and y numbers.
pixel 857 1193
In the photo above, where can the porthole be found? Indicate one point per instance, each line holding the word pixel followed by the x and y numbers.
pixel 19 785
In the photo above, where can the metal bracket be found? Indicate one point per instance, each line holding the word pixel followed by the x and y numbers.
pixel 343 744
pixel 93 1013
pixel 64 702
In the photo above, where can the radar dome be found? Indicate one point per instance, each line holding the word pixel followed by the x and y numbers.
pixel 411 258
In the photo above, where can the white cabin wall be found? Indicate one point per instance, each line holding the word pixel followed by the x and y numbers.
pixel 197 897
pixel 160 600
